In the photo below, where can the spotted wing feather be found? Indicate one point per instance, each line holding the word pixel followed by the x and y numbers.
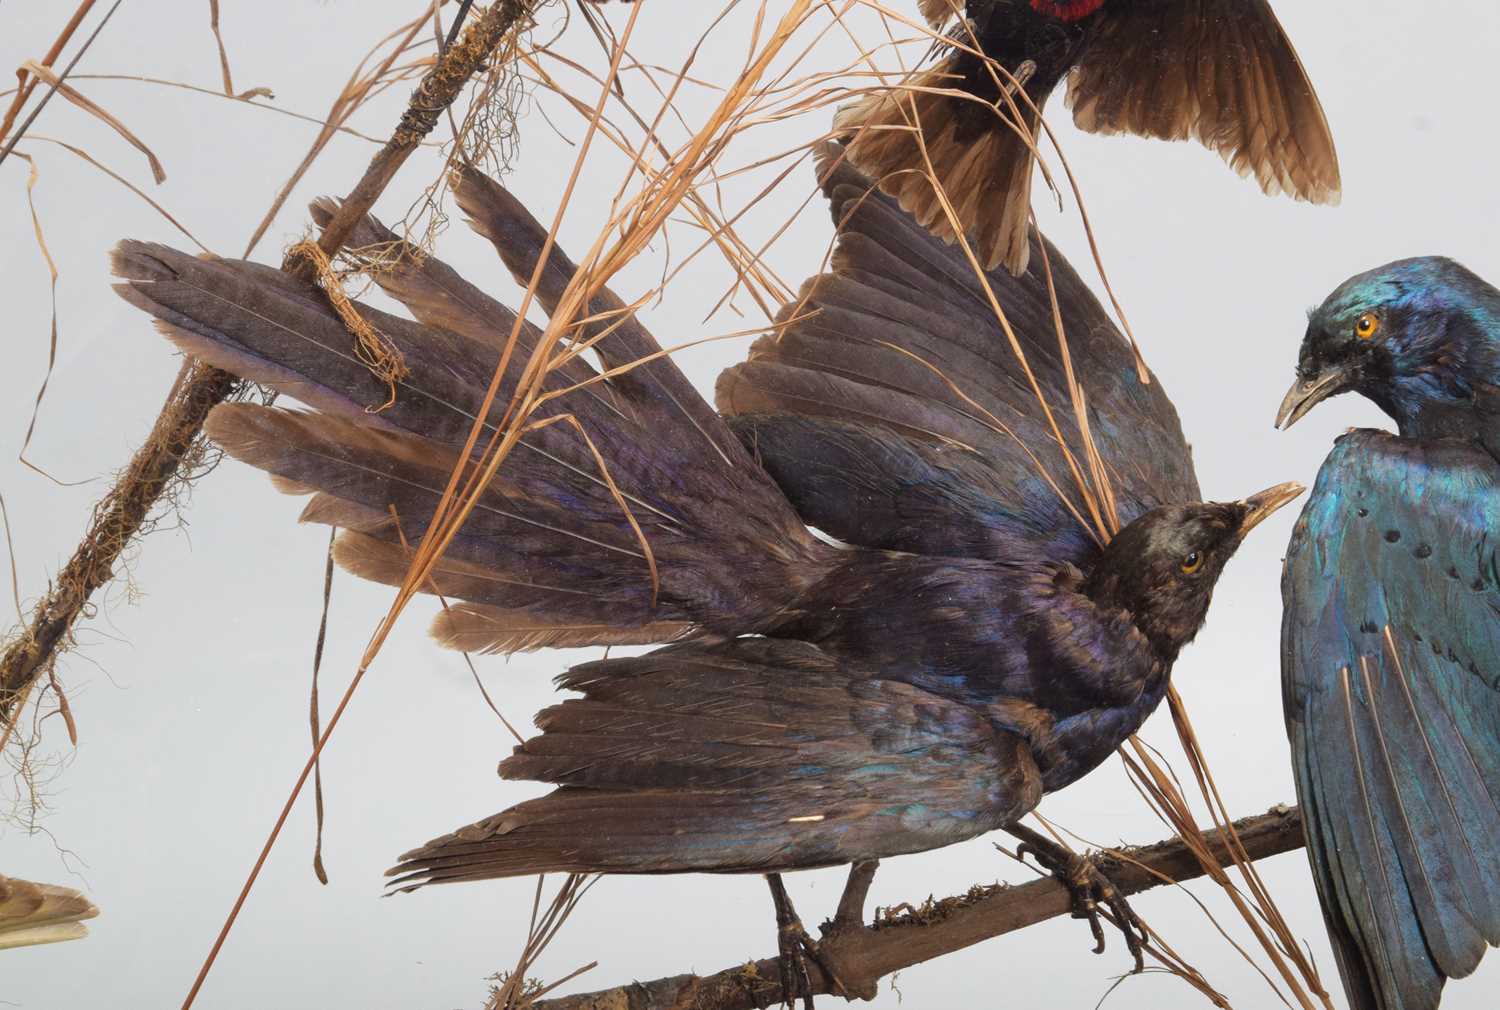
pixel 1391 680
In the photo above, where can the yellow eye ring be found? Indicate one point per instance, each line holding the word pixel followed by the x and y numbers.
pixel 1192 563
pixel 1366 325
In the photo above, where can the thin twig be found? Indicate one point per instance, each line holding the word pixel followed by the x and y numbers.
pixel 435 94
pixel 119 516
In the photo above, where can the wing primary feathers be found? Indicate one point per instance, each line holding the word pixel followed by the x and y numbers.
pixel 614 333
pixel 1403 825
pixel 1367 807
pixel 1224 73
pixel 1420 883
pixel 900 341
pixel 744 756
pixel 1416 717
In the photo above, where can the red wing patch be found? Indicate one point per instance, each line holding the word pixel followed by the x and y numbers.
pixel 1067 10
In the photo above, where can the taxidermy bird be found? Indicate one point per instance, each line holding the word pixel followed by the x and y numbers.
pixel 966 648
pixel 1219 71
pixel 33 914
pixel 1391 632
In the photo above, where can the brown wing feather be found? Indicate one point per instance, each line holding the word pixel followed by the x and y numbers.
pixel 987 178
pixel 40 913
pixel 750 755
pixel 1222 72
pixel 937 12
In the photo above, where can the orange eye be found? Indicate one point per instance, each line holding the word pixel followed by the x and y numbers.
pixel 1192 563
pixel 1366 325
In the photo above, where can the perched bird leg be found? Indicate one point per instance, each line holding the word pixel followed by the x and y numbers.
pixel 791 941
pixel 1090 888
pixel 851 912
pixel 795 946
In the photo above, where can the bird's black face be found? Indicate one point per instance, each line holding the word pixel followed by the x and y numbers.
pixel 1391 334
pixel 1340 352
pixel 1162 568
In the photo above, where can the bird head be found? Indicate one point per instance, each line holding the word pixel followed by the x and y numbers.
pixel 1162 568
pixel 1401 335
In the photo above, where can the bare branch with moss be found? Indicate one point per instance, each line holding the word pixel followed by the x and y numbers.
pixel 162 465
pixel 860 955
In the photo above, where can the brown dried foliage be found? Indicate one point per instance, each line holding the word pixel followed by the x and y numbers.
pixel 664 179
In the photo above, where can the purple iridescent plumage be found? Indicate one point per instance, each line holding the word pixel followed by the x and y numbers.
pixel 967 647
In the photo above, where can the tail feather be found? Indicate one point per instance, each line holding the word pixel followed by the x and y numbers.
pixel 437 295
pixel 236 318
pixel 748 756
pixel 985 176
pixel 547 556
pixel 577 563
pixel 615 334
pixel 474 627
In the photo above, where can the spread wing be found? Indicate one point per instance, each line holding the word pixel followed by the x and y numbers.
pixel 752 755
pixel 1219 71
pixel 893 411
pixel 548 556
pixel 1391 681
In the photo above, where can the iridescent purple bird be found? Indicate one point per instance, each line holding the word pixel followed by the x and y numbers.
pixel 966 647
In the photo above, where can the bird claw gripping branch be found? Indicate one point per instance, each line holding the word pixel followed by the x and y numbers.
pixel 1090 888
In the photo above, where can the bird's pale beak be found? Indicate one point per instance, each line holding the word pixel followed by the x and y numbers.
pixel 1261 506
pixel 1306 394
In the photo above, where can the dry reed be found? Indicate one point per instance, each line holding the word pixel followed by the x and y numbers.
pixel 664 178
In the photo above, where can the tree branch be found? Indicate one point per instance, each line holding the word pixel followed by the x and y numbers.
pixel 158 466
pixel 862 955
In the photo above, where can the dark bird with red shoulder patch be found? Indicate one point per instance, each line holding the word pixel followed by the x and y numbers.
pixel 1222 72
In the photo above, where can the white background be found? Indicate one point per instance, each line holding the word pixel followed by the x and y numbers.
pixel 191 690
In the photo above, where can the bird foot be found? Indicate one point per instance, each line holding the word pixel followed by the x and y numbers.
pixel 793 944
pixel 795 948
pixel 1023 73
pixel 1091 889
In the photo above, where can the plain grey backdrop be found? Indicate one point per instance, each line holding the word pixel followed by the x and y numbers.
pixel 190 685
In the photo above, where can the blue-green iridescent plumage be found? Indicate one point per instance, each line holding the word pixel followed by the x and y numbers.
pixel 1391 633
pixel 1433 361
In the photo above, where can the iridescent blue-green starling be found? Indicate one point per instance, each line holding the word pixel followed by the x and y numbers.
pixel 1391 632
pixel 964 647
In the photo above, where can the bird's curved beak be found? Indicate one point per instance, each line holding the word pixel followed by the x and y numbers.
pixel 1261 506
pixel 1306 394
